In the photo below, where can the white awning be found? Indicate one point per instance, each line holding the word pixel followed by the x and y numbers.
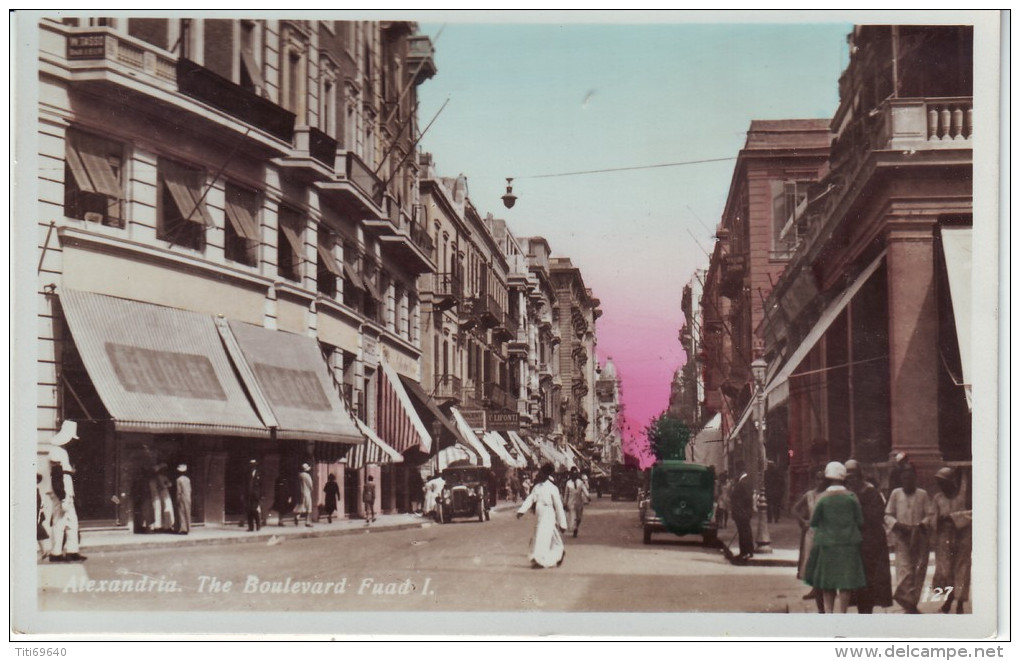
pixel 777 391
pixel 472 440
pixel 707 445
pixel 523 447
pixel 375 451
pixel 959 253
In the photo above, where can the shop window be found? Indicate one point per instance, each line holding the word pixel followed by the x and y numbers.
pixel 241 230
pixel 182 217
pixel 93 179
pixel 290 244
pixel 328 267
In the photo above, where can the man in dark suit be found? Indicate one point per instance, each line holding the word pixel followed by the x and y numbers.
pixel 742 509
pixel 253 496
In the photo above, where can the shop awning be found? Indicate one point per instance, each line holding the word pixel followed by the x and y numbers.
pixel 374 451
pixel 430 413
pixel 959 253
pixel 397 421
pixel 553 455
pixel 777 390
pixel 707 445
pixel 469 436
pixel 498 445
pixel 159 370
pixel 456 453
pixel 523 447
pixel 285 373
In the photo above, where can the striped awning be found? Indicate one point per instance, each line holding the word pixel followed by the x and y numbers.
pixel 523 447
pixel 289 383
pixel 398 423
pixel 430 413
pixel 554 455
pixel 374 451
pixel 498 446
pixel 456 453
pixel 158 370
pixel 469 436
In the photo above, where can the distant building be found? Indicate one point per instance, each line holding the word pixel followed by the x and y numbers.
pixel 608 435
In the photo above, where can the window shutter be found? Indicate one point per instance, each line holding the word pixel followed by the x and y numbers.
pixel 242 220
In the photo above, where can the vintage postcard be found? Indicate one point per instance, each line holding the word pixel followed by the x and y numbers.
pixel 642 324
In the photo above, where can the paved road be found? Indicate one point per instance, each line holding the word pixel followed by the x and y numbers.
pixel 462 566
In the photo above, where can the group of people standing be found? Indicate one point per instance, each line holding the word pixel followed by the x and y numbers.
pixel 555 513
pixel 848 526
pixel 164 503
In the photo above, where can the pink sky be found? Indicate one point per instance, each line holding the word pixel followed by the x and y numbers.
pixel 641 338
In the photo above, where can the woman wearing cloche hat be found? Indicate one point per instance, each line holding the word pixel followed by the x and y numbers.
pixel 835 566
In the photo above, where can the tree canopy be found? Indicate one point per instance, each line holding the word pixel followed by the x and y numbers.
pixel 668 437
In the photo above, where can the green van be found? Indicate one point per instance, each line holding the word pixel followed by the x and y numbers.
pixel 681 500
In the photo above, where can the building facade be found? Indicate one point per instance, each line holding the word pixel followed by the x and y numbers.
pixel 256 177
pixel 869 345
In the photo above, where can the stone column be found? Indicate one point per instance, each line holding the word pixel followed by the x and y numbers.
pixel 913 344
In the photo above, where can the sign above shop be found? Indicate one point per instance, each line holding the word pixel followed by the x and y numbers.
pixel 491 420
pixel 87 46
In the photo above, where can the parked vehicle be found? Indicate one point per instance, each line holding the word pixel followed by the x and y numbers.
pixel 465 494
pixel 681 501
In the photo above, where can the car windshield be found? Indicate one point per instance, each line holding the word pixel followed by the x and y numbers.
pixel 462 475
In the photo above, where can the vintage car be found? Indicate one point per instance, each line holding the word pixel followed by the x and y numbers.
pixel 680 500
pixel 464 494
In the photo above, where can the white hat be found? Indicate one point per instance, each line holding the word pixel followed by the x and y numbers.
pixel 835 471
pixel 68 432
pixel 306 467
pixel 182 467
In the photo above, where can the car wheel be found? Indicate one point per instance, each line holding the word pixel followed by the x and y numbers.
pixel 648 536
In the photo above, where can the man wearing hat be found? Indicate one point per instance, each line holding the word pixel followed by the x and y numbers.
pixel 368 497
pixel 874 544
pixel 742 505
pixel 182 499
pixel 304 505
pixel 953 542
pixel 65 517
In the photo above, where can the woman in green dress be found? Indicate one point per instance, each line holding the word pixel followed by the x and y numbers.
pixel 835 566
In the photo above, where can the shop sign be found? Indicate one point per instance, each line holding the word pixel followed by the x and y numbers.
pixel 154 372
pixel 475 418
pixel 498 421
pixel 87 46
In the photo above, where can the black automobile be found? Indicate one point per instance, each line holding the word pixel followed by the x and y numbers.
pixel 465 494
pixel 680 500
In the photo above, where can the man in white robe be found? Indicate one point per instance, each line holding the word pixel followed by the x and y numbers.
pixel 575 497
pixel 547 543
pixel 907 517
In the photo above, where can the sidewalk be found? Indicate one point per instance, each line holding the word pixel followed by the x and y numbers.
pixel 96 541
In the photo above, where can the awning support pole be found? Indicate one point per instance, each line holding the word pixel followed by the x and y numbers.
pixel 77 398
pixel 46 246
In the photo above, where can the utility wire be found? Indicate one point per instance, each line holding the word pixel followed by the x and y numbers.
pixel 633 167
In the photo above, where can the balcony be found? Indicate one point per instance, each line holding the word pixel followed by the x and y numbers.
pixel 448 389
pixel 506 329
pixel 200 83
pixel 446 291
pixel 471 395
pixel 733 272
pixel 935 123
pixel 356 189
pixel 485 309
pixel 421 58
pixel 314 153
pixel 403 236
pixel 496 397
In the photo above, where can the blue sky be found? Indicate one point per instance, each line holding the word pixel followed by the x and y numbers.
pixel 534 99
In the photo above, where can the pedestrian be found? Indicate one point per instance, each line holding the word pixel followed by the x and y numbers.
pixel 774 487
pixel 433 490
pixel 835 566
pixel 907 515
pixel 332 491
pixel 576 492
pixel 742 503
pixel 547 542
pixel 65 516
pixel 162 501
pixel 368 497
pixel 803 510
pixel 40 518
pixel 283 497
pixel 526 485
pixel 900 462
pixel 953 517
pixel 874 543
pixel 722 500
pixel 304 501
pixel 182 500
pixel 253 496
pixel 416 489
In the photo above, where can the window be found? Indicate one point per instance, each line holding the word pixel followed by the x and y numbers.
pixel 181 214
pixel 249 66
pixel 371 275
pixel 354 286
pixel 294 76
pixel 241 230
pixel 328 99
pixel 290 244
pixel 93 179
pixel 328 267
pixel 789 199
